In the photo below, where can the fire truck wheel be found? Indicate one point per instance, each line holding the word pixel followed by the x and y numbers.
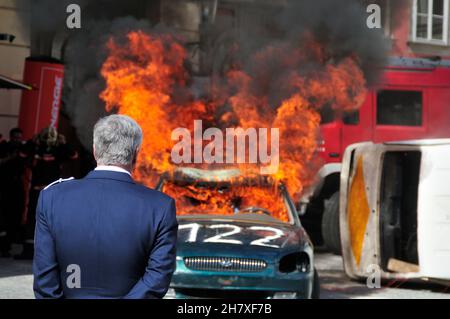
pixel 330 225
pixel 316 286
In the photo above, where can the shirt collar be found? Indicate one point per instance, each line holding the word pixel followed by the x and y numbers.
pixel 112 169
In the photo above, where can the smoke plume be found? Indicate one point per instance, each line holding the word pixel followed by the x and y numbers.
pixel 338 26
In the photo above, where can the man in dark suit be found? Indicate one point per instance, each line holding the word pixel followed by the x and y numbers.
pixel 105 236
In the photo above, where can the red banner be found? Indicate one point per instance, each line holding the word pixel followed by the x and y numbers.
pixel 40 107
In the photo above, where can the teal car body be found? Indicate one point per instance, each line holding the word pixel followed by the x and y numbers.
pixel 243 256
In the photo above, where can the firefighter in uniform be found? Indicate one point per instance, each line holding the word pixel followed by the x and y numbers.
pixel 12 166
pixel 49 150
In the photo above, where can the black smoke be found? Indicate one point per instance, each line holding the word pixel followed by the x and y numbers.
pixel 84 57
pixel 339 25
pixel 50 15
pixel 83 51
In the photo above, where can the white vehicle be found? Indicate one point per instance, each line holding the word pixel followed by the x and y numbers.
pixel 395 210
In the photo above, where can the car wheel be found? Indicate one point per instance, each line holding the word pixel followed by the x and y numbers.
pixel 315 294
pixel 330 225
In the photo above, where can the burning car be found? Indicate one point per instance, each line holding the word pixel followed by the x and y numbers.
pixel 238 237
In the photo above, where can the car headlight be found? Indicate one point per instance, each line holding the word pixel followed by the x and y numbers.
pixel 303 262
pixel 295 262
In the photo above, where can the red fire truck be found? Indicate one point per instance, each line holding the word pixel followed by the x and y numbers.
pixel 411 101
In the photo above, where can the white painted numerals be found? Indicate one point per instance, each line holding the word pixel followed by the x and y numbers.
pixel 193 233
pixel 221 237
pixel 230 230
pixel 266 240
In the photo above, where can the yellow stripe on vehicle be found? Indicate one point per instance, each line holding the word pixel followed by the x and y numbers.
pixel 358 212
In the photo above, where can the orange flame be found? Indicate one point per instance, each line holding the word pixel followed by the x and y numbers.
pixel 216 202
pixel 147 79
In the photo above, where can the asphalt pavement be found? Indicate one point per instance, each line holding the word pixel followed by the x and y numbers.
pixel 16 282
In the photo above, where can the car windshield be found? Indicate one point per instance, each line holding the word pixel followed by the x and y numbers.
pixel 228 199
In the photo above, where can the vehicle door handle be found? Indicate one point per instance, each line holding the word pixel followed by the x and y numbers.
pixel 334 155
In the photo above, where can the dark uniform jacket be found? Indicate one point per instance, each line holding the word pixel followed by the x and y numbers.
pixel 104 236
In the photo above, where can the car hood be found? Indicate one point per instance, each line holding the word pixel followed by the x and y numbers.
pixel 243 237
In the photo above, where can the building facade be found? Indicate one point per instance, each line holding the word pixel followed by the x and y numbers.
pixel 419 28
pixel 13 51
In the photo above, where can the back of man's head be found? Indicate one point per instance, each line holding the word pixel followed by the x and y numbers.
pixel 117 140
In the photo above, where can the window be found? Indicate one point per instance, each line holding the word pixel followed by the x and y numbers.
pixel 398 207
pixel 430 21
pixel 399 108
pixel 351 118
pixel 327 115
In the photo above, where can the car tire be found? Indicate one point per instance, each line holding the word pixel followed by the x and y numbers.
pixel 315 294
pixel 330 225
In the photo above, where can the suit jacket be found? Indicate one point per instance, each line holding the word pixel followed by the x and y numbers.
pixel 104 236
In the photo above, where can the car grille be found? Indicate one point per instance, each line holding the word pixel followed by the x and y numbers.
pixel 225 264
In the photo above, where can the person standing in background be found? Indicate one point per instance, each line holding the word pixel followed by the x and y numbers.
pixel 48 151
pixel 13 159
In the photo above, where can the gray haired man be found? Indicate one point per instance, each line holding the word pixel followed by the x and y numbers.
pixel 105 236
